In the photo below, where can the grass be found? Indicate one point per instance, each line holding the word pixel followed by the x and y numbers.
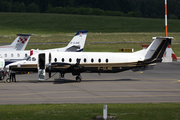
pixel 38 23
pixel 159 111
pixel 92 37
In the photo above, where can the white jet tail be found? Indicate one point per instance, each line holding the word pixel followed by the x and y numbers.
pixel 18 44
pixel 21 41
pixel 75 45
pixel 78 42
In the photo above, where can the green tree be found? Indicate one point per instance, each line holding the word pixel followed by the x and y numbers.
pixel 7 6
pixel 21 7
pixel 173 16
pixel 15 7
pixel 49 8
pixel 33 8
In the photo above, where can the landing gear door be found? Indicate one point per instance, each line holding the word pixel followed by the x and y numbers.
pixel 41 66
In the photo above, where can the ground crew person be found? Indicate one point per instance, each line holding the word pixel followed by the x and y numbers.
pixel 13 76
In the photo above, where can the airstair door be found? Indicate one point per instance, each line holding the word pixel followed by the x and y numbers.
pixel 41 66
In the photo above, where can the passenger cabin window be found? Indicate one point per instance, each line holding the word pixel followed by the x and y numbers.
pixel 92 60
pixel 62 59
pixel 55 59
pixel 18 55
pixel 107 60
pixel 5 55
pixel 99 60
pixel 11 55
pixel 85 60
pixel 25 55
pixel 70 60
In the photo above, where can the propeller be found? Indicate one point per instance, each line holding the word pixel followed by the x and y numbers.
pixel 78 61
pixel 49 65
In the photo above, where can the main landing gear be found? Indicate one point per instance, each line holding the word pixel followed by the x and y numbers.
pixel 61 75
pixel 78 79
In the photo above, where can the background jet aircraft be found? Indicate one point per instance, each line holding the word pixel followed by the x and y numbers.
pixel 94 62
pixel 75 45
pixel 19 43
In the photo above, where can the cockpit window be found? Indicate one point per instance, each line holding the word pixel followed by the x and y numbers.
pixel 28 59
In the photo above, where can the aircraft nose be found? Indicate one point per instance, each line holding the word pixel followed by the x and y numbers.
pixel 7 66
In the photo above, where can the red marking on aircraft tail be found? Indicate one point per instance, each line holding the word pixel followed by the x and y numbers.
pixel 22 40
pixel 25 39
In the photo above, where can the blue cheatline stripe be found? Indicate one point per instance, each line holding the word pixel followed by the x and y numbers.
pixel 7 63
pixel 80 50
pixel 81 31
pixel 12 61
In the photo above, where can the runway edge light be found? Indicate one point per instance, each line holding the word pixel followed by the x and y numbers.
pixel 105 112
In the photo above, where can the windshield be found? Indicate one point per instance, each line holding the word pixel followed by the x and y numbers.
pixel 28 59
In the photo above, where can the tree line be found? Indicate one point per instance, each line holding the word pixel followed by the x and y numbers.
pixel 131 8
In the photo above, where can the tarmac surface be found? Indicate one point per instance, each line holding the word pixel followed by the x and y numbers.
pixel 162 84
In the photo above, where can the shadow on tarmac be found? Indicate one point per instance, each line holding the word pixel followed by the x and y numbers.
pixel 66 81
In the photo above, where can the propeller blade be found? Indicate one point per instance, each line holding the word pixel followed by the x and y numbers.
pixel 50 71
pixel 49 74
pixel 49 65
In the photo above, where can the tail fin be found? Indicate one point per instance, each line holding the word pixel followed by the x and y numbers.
pixel 77 43
pixel 156 49
pixel 21 41
pixel 18 44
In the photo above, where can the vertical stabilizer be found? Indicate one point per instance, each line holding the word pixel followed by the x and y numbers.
pixel 78 42
pixel 21 41
pixel 18 44
pixel 156 49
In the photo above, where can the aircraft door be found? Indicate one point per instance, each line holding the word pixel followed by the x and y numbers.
pixel 41 66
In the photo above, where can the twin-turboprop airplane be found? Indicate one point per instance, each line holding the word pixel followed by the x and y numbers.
pixel 75 45
pixel 93 62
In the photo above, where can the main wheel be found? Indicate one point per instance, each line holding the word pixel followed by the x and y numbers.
pixel 78 79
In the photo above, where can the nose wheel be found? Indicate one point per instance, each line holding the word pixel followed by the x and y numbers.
pixel 78 78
